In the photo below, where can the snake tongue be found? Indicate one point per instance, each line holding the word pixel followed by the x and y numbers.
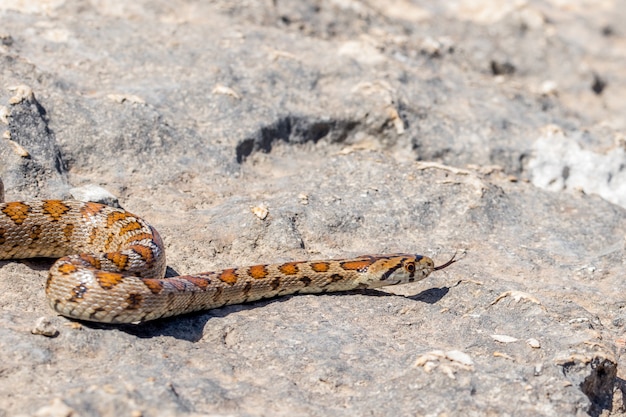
pixel 450 262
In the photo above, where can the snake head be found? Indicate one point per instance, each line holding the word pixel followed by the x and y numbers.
pixel 404 268
pixel 417 267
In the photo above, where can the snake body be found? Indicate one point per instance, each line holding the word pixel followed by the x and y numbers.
pixel 112 266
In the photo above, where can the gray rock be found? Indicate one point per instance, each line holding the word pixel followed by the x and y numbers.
pixel 33 161
pixel 352 127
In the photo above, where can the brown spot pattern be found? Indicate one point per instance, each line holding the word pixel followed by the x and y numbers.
pixel 177 283
pixel 134 301
pixel 2 238
pixel 78 293
pixel 55 209
pixel 306 281
pixel 35 232
pixel 290 268
pixel 96 311
pixel 218 293
pixel 275 284
pixel 335 277
pixel 17 211
pixel 229 276
pixel 258 271
pixel 357 265
pixel 320 266
pixel 108 280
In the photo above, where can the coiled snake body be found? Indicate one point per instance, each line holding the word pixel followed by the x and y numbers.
pixel 112 265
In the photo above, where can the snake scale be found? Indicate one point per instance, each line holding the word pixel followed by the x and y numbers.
pixel 112 266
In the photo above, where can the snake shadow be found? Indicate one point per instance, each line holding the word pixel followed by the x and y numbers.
pixel 190 327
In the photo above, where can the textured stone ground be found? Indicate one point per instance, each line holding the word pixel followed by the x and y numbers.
pixel 362 127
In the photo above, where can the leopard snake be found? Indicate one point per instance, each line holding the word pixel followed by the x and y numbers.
pixel 112 266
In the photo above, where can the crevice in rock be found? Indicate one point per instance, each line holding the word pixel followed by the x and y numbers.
pixel 596 380
pixel 39 160
pixel 294 130
pixel 598 386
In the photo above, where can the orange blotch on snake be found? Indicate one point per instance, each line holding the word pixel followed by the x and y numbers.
pixel 119 259
pixel 320 266
pixel 229 276
pixel 16 211
pixel 93 235
pixel 55 209
pixel 91 209
pixel 199 282
pixel 109 241
pixel 257 271
pixel 67 269
pixel 154 285
pixel 117 216
pixel 143 251
pixel 356 265
pixel 290 268
pixel 108 280
pixel 138 237
pixel 90 260
pixel 68 232
pixel 129 227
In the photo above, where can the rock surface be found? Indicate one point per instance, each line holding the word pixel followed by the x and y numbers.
pixel 353 127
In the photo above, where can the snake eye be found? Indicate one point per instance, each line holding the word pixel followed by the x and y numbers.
pixel 410 267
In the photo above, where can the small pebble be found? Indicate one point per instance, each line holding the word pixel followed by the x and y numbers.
pixel 260 211
pixel 533 343
pixel 502 338
pixel 548 87
pixel 460 357
pixel 22 92
pixel 95 194
pixel 44 327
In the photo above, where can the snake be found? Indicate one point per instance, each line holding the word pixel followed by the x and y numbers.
pixel 111 266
